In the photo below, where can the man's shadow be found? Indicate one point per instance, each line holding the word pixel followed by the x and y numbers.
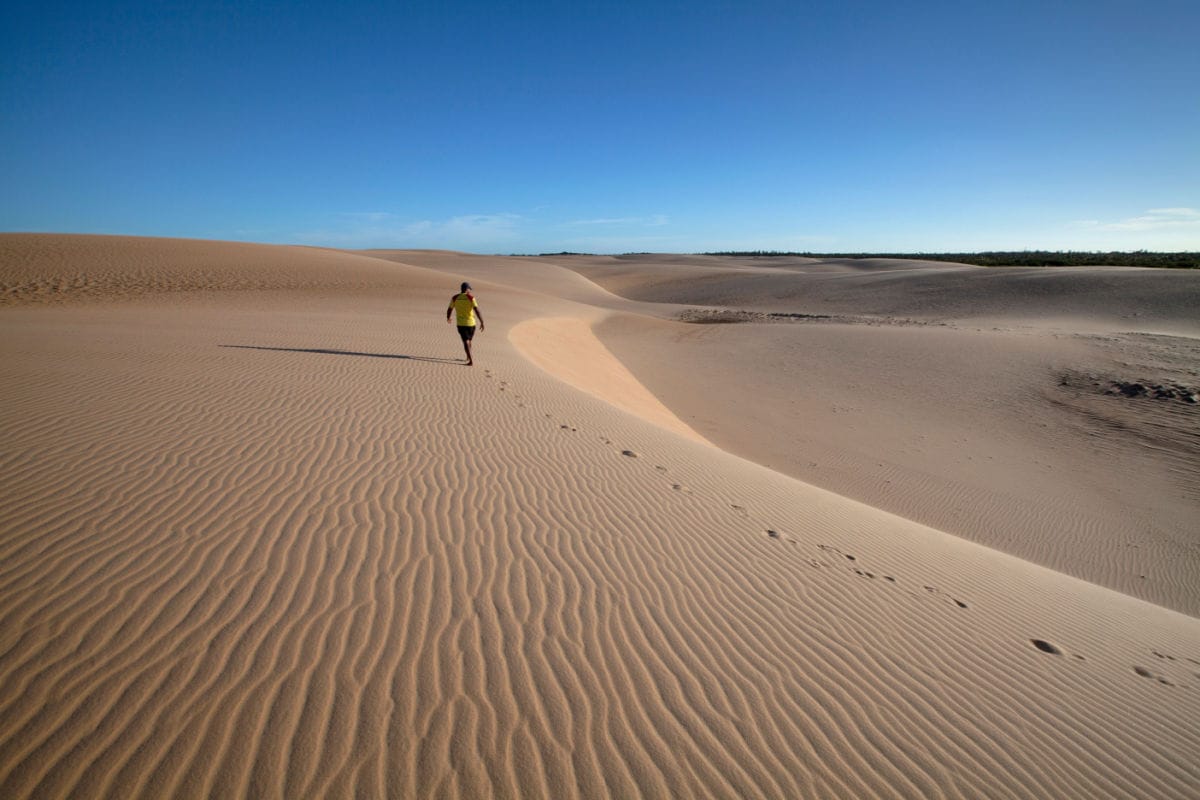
pixel 327 351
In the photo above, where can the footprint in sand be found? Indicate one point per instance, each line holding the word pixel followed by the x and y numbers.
pixel 939 592
pixel 679 487
pixel 740 510
pixel 1046 647
pixel 1052 649
pixel 1177 672
pixel 831 549
pixel 862 573
pixel 629 453
pixel 1145 673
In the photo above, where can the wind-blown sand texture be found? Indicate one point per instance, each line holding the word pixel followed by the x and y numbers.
pixel 262 533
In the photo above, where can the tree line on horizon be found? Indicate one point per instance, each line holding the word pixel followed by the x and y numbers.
pixel 1022 258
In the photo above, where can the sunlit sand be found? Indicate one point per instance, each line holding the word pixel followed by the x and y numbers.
pixel 691 527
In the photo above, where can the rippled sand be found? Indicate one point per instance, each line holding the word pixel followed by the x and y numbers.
pixel 264 534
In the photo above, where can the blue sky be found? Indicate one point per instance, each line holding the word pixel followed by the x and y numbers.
pixel 504 127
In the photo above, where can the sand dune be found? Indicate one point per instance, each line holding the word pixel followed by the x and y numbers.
pixel 263 534
pixel 952 396
pixel 1091 298
pixel 54 269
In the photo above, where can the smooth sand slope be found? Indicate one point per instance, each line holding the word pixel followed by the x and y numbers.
pixel 272 538
pixel 996 404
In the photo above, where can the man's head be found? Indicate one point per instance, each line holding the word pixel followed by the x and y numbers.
pixel 466 287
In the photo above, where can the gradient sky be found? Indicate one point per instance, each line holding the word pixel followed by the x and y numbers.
pixel 519 127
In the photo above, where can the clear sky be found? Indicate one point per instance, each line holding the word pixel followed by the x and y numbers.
pixel 518 127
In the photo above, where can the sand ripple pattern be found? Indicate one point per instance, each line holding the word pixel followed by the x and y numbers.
pixel 41 269
pixel 308 564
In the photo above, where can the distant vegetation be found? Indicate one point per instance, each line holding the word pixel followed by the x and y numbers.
pixel 1024 258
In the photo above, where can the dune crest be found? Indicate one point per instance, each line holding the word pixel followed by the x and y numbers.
pixel 567 348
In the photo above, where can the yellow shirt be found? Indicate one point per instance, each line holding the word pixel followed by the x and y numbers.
pixel 464 309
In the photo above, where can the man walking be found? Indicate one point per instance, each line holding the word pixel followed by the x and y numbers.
pixel 465 308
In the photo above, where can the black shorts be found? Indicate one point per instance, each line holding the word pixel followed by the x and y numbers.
pixel 467 332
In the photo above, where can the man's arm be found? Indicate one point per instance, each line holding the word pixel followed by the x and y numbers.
pixel 449 309
pixel 479 314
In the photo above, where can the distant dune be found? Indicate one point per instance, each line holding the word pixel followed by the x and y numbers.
pixel 38 268
pixel 691 527
pixel 1122 298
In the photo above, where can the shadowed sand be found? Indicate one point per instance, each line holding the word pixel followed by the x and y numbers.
pixel 263 536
